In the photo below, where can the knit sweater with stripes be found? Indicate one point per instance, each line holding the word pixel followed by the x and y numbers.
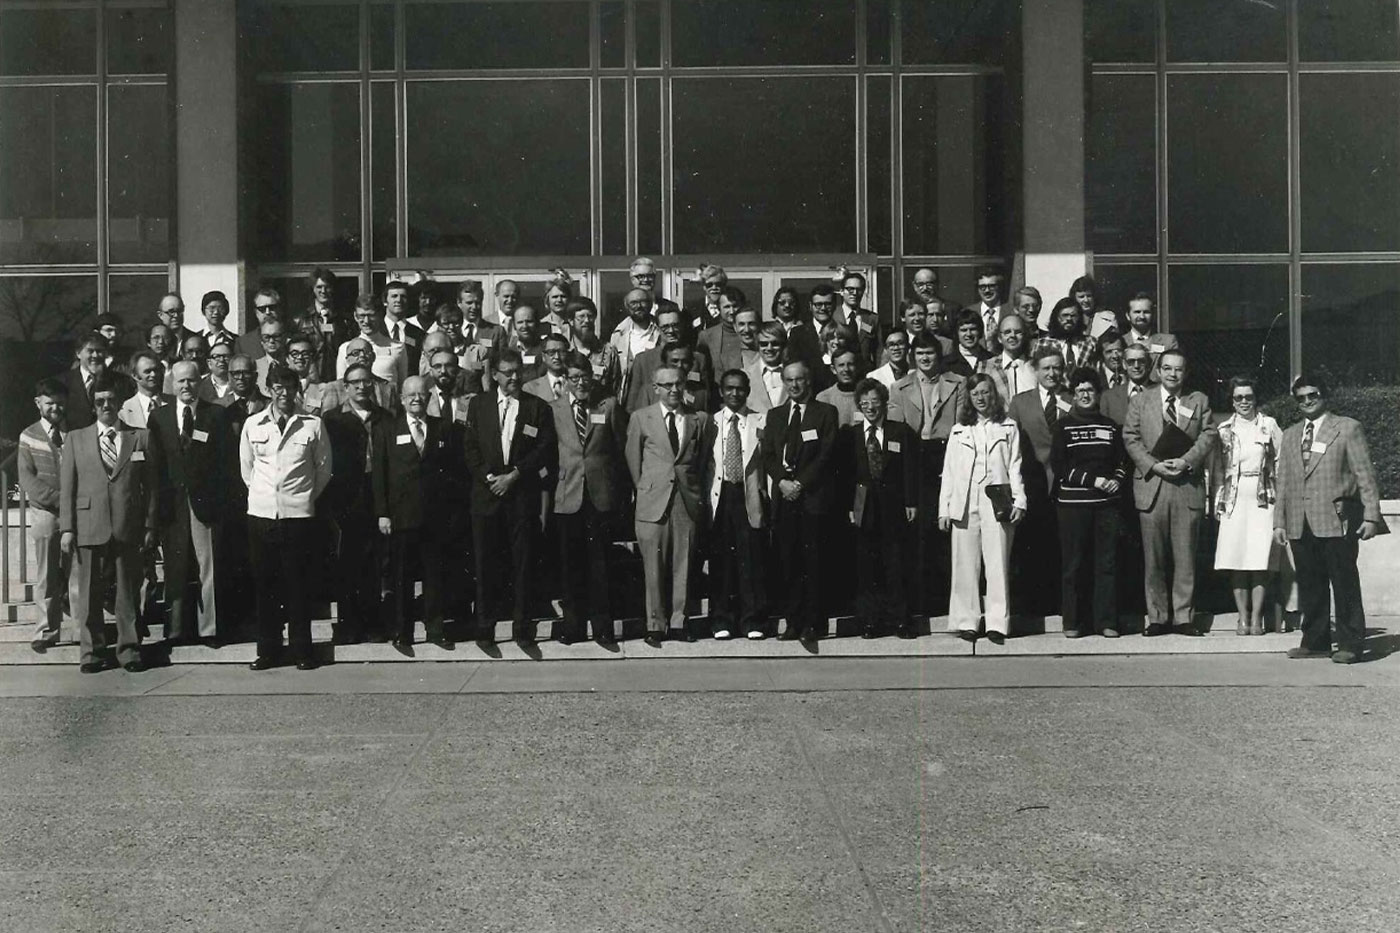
pixel 1087 446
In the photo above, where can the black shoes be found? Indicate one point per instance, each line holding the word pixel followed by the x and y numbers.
pixel 906 631
pixel 262 663
pixel 996 638
pixel 403 646
pixel 1156 628
pixel 967 634
pixel 134 667
pixel 1346 657
pixel 92 667
pixel 653 639
pixel 307 664
pixel 1301 652
pixel 870 632
pixel 789 634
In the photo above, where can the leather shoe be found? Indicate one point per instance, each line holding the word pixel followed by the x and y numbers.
pixel 809 636
pixel 689 635
pixel 1109 633
pixel 869 632
pixel 262 663
pixel 1301 652
pixel 967 634
pixel 1154 629
pixel 92 667
pixel 906 631
pixel 134 667
pixel 996 638
pixel 1346 657
pixel 1073 633
pixel 307 664
pixel 403 646
pixel 566 638
pixel 442 641
pixel 653 639
pixel 40 646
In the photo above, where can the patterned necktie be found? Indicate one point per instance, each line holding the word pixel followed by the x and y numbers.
pixel 1011 367
pixel 57 438
pixel 1134 390
pixel 1115 380
pixel 874 453
pixel 580 419
pixel 671 434
pixel 733 453
pixel 108 449
pixel 1171 409
pixel 1307 442
pixel 186 426
pixel 417 428
pixel 1051 411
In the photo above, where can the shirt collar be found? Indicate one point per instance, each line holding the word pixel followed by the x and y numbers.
pixel 46 426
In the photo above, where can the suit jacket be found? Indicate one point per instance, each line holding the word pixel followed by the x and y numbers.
pixel 412 343
pixel 408 485
pixel 1156 343
pixel 724 348
pixel 541 389
pixel 755 486
pixel 1114 401
pixel 898 484
pixel 700 382
pixel 594 468
pixel 533 451
pixel 805 344
pixel 134 415
pixel 208 393
pixel 200 472
pixel 661 475
pixel 955 362
pixel 1003 466
pixel 317 398
pixel 352 450
pixel 813 466
pixel 907 402
pixel 98 508
pixel 1327 492
pixel 250 344
pixel 866 327
pixel 1037 438
pixel 996 371
pixel 79 412
pixel 37 462
pixel 328 337
pixel 1141 431
pixel 990 340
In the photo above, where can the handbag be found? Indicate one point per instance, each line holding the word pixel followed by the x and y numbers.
pixel 1000 496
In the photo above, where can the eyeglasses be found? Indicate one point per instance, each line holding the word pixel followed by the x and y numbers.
pixel 1307 396
pixel 1243 397
pixel 242 372
pixel 278 388
pixel 221 356
pixel 359 383
pixel 577 377
pixel 850 288
pixel 668 386
pixel 299 354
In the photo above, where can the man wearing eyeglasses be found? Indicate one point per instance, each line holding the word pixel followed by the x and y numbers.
pixel 552 385
pixel 675 331
pixel 273 338
pixel 864 323
pixel 217 387
pixel 267 306
pixel 1137 370
pixel 1328 500
pixel 989 306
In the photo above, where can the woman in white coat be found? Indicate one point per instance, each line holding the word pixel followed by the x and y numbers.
pixel 981 500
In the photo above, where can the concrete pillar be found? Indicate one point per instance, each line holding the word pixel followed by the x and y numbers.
pixel 206 156
pixel 1053 117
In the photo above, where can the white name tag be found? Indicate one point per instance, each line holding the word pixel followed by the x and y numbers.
pixel 485 342
pixel 409 341
pixel 1157 348
pixel 327 328
pixel 460 417
pixel 139 455
pixel 1061 404
pixel 200 436
pixel 1318 447
pixel 598 418
pixel 544 473
pixel 809 435
pixel 403 439
pixel 698 323
pixel 527 358
pixel 599 368
pixel 894 447
pixel 692 377
pixel 866 326
pixel 530 430
pixel 1185 412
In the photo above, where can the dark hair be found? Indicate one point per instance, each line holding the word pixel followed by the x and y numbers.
pixel 577 360
pixel 201 338
pixel 418 289
pixel 322 274
pixel 1174 351
pixel 1044 351
pixel 142 354
pixel 354 366
pixel 397 283
pixel 821 290
pixel 785 290
pixel 109 318
pixel 1056 329
pixel 92 338
pixel 1242 380
pixel 215 295
pixel 300 337
pixel 1083 374
pixel 927 341
pixel 1306 378
pixel 670 348
pixel 277 374
pixel 152 329
pixel 1109 336
pixel 556 336
pixel 1144 296
pixel 911 304
pixel 470 287
pixel 967 316
pixel 507 355
pixel 366 301
pixel 985 272
pixel 109 381
pixel 1085 283
pixel 774 329
pixel 582 302
pixel 867 385
pixel 966 413
pixel 52 387
pixel 735 295
pixel 729 373
pixel 854 275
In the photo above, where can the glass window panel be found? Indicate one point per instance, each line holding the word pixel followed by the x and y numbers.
pixel 613 287
pixel 521 188
pixel 139 41
pixel 958 284
pixel 649 220
pixel 612 34
pixel 963 32
pixel 1351 322
pixel 48 42
pixel 381 37
pixel 39 308
pixel 1120 31
pixel 537 34
pixel 648 34
pixel 1228 318
pixel 1120 164
pixel 750 283
pixel 799 196
pixel 134 299
pixel 382 171
pixel 1350 161
pixel 305 38
pixel 613 141
pixel 1226 31
pixel 879 200
pixel 884 293
pixel 763 32
pixel 48 175
pixel 307 168
pixel 877 32
pixel 138 181
pixel 296 291
pixel 1348 30
pixel 1117 284
pixel 954 179
pixel 1227 163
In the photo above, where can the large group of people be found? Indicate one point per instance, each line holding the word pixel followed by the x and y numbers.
pixel 984 462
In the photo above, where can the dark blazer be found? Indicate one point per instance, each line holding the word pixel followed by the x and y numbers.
pixel 533 451
pixel 594 468
pixel 350 446
pixel 250 344
pixel 412 344
pixel 408 485
pixel 1114 401
pixel 804 344
pixel 99 508
pixel 79 413
pixel 1036 438
pixel 954 362
pixel 866 326
pixel 640 392
pixel 814 457
pixel 200 472
pixel 898 484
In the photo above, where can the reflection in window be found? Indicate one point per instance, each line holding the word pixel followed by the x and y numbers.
pixel 138 183
pixel 1226 31
pixel 1120 31
pixel 48 42
pixel 959 32
pixel 1348 30
pixel 954 176
pixel 382 170
pixel 878 172
pixel 1229 318
pixel 48 205
pixel 306 160
pixel 1227 163
pixel 498 167
pixel 764 164
pixel 41 308
pixel 134 299
pixel 1350 161
pixel 304 38
pixel 613 151
pixel 1117 284
pixel 296 292
pixel 763 32
pixel 139 41
pixel 508 34
pixel 1351 322
pixel 381 37
pixel 1120 164
pixel 649 219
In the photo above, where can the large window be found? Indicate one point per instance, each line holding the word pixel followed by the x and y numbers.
pixel 1246 158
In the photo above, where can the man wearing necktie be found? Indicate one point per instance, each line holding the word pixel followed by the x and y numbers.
pixel 1169 434
pixel 397 325
pixel 592 487
pixel 1011 372
pixel 1035 549
pixel 551 385
pixel 37 461
pixel 738 502
pixel 665 455
pixel 107 514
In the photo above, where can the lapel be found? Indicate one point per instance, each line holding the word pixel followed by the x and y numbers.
pixel 126 443
pixel 1327 435
pixel 1152 413
pixel 913 401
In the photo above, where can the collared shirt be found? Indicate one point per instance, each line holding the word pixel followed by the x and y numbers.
pixel 969 357
pixel 1142 340
pixel 726 417
pixel 180 409
pixel 865 425
pixel 146 403
pixel 284 471
pixel 508 408
pixel 418 430
pixel 928 392
pixel 221 389
pixel 1012 367
pixel 556 385
pixel 639 340
pixel 981 445
pixel 680 423
pixel 1180 411
pixel 48 427
pixel 773 382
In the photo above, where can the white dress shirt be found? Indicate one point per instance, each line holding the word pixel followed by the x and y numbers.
pixel 1014 370
pixel 773 382
pixel 508 408
pixel 680 424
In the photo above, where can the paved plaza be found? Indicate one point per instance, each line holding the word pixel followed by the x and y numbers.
pixel 1168 793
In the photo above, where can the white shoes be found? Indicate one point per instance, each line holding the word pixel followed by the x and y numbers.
pixel 721 634
pixel 755 635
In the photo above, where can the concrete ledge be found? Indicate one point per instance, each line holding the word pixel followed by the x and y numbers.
pixel 1055 644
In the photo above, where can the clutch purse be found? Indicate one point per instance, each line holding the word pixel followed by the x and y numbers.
pixel 1000 496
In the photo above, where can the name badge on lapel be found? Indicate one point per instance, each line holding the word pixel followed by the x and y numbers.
pixel 1061 404
pixel 1158 348
pixel 599 369
pixel 1318 448
pixel 809 435
pixel 200 437
pixel 485 342
pixel 139 455
pixel 692 377
pixel 598 418
pixel 1184 411
pixel 403 439
pixel 527 358
pixel 409 341
pixel 894 447
pixel 529 430
pixel 866 327
pixel 327 328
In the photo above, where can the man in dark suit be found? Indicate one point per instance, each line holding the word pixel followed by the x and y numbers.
pixel 193 443
pixel 665 449
pixel 107 514
pixel 267 306
pixel 798 439
pixel 864 323
pixel 803 341
pixel 722 341
pixel 990 306
pixel 1137 367
pixel 736 482
pixel 884 466
pixel 1328 500
pixel 674 330
pixel 171 312
pixel 91 354
pixel 1035 549
pixel 409 472
pixel 397 310
pixel 592 487
pixel 1169 435
pixel 968 354
pixel 511 453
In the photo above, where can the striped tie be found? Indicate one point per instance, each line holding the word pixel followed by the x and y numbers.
pixel 108 448
pixel 580 419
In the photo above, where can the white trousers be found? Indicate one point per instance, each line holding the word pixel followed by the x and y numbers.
pixel 979 542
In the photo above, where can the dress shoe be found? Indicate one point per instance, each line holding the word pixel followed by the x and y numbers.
pixel 566 638
pixel 605 638
pixel 39 645
pixel 213 642
pixel 1346 657
pixel 756 635
pixel 262 663
pixel 809 636
pixel 403 646
pixel 1301 652
pixel 441 640
pixel 1154 629
pixel 134 667
pixel 996 638
pixel 307 664
pixel 869 633
pixel 1073 633
pixel 690 635
pixel 1109 633
pixel 377 638
pixel 906 631
pixel 92 667
pixel 346 638
pixel 653 639
pixel 967 634
pixel 721 634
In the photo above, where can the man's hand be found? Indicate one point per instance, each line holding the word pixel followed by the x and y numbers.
pixel 386 526
pixel 1017 515
pixel 852 516
pixel 149 542
pixel 1368 530
pixel 67 541
pixel 500 484
pixel 1281 537
pixel 789 489
pixel 909 512
pixel 1109 486
pixel 944 523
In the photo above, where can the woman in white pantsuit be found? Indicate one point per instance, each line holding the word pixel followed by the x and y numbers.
pixel 1245 467
pixel 984 451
